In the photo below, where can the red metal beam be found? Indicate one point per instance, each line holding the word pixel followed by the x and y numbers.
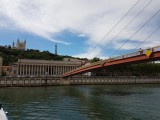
pixel 135 59
pixel 129 60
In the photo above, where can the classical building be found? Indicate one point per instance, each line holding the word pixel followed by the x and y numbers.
pixel 30 67
pixel 20 45
pixel 7 70
pixel 1 60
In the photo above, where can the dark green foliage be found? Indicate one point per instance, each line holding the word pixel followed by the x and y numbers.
pixel 12 55
pixel 95 59
pixel 143 69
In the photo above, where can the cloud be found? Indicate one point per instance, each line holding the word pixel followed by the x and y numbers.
pixel 81 35
pixel 88 18
pixel 97 52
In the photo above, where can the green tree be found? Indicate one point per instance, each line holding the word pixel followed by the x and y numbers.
pixel 95 59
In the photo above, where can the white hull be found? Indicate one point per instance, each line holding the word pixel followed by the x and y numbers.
pixel 3 115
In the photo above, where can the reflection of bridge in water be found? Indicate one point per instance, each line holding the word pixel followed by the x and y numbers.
pixel 141 56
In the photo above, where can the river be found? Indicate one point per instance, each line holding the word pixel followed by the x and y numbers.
pixel 97 102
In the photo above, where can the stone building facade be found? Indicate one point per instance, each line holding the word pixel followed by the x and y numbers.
pixel 30 67
pixel 7 70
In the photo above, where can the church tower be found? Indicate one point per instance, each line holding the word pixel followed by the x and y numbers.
pixel 19 45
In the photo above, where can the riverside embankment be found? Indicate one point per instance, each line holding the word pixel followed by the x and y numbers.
pixel 94 80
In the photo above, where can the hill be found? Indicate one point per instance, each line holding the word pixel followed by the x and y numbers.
pixel 12 55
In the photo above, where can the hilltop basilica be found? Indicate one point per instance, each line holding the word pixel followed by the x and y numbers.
pixel 20 45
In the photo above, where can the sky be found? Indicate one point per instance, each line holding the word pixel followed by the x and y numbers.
pixel 81 28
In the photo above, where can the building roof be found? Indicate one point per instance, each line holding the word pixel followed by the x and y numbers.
pixel 34 61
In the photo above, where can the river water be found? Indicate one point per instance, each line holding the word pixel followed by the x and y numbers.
pixel 98 102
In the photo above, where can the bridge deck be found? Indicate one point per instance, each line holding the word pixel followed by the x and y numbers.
pixel 149 54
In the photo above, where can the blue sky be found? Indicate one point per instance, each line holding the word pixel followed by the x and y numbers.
pixel 77 26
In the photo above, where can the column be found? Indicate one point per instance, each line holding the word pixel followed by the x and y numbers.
pixel 22 70
pixel 26 69
pixel 51 70
pixel 63 69
pixel 17 69
pixel 55 70
pixel 29 72
pixel 36 70
pixel 32 71
pixel 48 69
pixel 60 69
pixel 71 68
pixel 40 71
pixel 43 70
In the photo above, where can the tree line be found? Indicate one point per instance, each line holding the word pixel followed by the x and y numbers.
pixel 141 69
pixel 11 56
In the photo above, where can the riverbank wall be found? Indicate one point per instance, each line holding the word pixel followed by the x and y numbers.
pixel 57 81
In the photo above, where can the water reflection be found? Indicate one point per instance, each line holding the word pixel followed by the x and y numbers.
pixel 82 102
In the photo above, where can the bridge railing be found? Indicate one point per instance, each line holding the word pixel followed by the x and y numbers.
pixel 140 52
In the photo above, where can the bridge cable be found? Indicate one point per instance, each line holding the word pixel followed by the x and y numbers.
pixel 145 39
pixel 130 22
pixel 133 50
pixel 114 26
pixel 135 33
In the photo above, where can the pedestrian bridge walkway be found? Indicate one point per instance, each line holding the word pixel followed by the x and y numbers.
pixel 141 56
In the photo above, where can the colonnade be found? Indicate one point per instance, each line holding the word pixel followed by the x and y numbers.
pixel 43 69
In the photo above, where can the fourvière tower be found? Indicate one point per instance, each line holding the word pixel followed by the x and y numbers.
pixel 20 45
pixel 55 49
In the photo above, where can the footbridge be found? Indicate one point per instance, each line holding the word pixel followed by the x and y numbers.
pixel 145 55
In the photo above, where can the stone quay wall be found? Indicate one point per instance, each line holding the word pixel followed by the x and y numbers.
pixel 114 80
pixel 29 81
pixel 54 81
